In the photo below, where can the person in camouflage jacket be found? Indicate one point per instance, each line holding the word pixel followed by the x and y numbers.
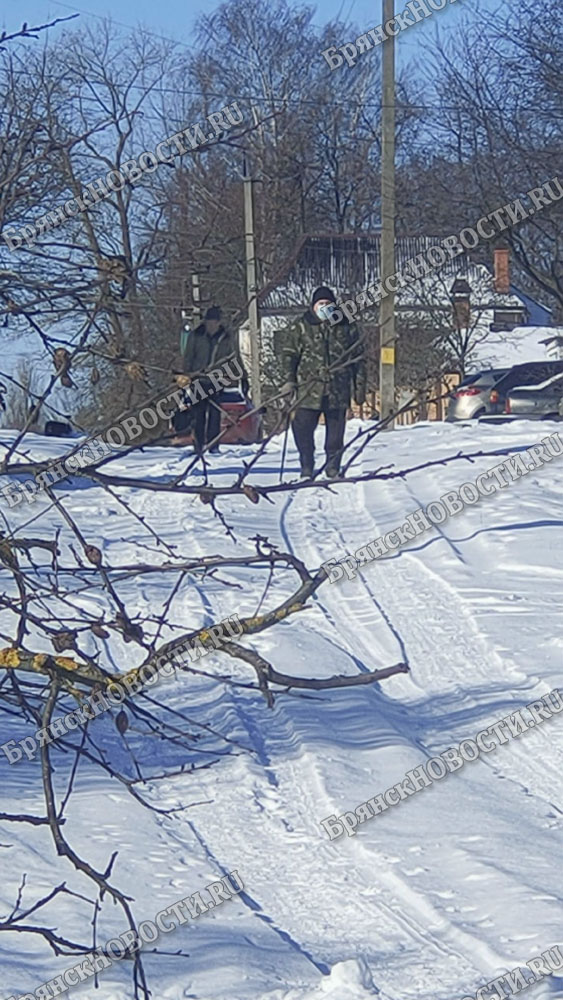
pixel 324 367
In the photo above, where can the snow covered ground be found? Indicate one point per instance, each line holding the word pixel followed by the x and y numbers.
pixel 429 900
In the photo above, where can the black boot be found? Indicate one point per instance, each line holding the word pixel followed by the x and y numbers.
pixel 332 472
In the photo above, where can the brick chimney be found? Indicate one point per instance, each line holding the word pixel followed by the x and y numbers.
pixel 502 270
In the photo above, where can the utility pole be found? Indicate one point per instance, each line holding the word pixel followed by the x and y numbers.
pixel 252 287
pixel 196 299
pixel 191 315
pixel 387 307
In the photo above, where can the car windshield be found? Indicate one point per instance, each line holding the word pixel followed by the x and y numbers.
pixel 482 378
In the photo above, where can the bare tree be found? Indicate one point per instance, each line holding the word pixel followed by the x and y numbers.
pixel 314 152
pixel 27 31
pixel 495 117
pixel 83 107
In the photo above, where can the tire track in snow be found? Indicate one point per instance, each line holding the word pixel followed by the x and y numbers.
pixel 414 912
pixel 248 900
pixel 417 913
pixel 415 594
pixel 386 922
pixel 418 603
pixel 421 912
pixel 257 743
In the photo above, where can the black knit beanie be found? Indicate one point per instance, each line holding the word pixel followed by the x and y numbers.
pixel 322 293
pixel 214 312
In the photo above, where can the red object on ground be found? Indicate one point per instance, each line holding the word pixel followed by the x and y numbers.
pixel 236 426
pixel 235 430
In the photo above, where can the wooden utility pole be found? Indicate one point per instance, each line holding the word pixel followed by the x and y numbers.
pixel 252 288
pixel 387 307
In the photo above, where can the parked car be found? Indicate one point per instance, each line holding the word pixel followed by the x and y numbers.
pixel 537 402
pixel 534 373
pixel 57 428
pixel 234 429
pixel 471 399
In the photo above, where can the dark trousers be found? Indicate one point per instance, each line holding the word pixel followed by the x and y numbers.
pixel 207 422
pixel 304 424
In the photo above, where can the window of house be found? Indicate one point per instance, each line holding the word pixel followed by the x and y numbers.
pixel 507 319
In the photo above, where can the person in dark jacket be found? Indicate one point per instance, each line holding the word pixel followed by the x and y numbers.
pixel 324 367
pixel 211 346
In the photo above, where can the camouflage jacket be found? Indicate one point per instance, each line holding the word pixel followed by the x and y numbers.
pixel 324 360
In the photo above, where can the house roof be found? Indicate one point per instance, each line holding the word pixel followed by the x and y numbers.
pixel 538 315
pixel 521 345
pixel 348 263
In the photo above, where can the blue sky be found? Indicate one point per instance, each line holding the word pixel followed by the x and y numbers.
pixel 175 19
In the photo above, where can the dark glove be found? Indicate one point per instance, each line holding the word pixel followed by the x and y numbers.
pixel 207 385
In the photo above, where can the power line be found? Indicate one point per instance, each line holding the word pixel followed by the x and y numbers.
pixel 122 24
pixel 316 102
pixel 252 96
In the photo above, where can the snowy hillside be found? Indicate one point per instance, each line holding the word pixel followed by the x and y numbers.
pixel 429 900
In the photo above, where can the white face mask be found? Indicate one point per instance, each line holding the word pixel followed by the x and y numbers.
pixel 324 312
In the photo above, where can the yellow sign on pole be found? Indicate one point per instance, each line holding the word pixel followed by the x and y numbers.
pixel 388 355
